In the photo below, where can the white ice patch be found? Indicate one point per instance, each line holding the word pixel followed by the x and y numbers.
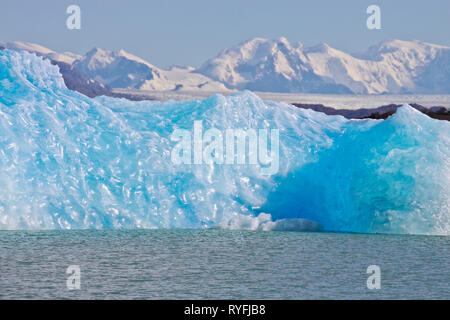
pixel 263 222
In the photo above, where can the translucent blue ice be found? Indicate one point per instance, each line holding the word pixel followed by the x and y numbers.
pixel 71 162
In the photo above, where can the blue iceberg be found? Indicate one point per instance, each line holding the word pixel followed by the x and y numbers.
pixel 71 162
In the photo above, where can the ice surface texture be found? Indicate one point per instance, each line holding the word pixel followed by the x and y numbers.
pixel 71 162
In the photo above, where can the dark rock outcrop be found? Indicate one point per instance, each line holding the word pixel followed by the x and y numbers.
pixel 78 81
pixel 382 112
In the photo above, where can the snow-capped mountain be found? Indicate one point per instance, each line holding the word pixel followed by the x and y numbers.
pixel 120 69
pixel 117 68
pixel 276 65
pixel 272 65
pixel 267 65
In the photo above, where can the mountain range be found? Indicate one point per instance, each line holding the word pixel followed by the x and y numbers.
pixel 271 65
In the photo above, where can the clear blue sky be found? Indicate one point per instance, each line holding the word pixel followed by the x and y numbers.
pixel 188 32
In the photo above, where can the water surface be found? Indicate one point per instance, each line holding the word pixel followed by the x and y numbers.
pixel 221 264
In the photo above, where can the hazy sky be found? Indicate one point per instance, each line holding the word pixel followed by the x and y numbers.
pixel 188 32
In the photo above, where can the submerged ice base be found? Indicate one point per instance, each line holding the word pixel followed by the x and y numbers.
pixel 71 162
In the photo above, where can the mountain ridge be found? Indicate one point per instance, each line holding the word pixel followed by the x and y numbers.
pixel 394 66
pixel 274 65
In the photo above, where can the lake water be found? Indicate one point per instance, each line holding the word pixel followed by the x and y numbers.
pixel 221 264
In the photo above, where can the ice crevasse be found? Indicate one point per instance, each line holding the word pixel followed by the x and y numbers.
pixel 71 162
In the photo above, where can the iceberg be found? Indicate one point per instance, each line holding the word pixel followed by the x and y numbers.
pixel 72 162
